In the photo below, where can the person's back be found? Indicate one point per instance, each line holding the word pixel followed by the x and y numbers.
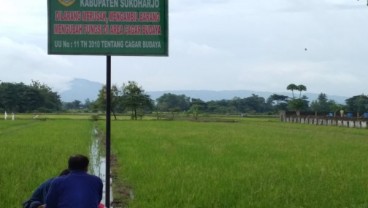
pixel 38 197
pixel 76 190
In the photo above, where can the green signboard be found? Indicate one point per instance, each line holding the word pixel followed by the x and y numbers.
pixel 108 27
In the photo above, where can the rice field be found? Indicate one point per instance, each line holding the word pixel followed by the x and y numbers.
pixel 33 151
pixel 249 163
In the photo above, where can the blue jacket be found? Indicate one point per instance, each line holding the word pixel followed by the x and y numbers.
pixel 39 195
pixel 76 190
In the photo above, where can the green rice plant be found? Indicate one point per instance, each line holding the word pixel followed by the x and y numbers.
pixel 50 116
pixel 251 163
pixel 33 151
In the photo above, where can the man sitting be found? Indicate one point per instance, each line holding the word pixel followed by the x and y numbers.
pixel 76 190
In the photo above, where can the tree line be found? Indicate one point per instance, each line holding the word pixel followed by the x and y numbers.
pixel 22 98
pixel 323 106
pixel 132 98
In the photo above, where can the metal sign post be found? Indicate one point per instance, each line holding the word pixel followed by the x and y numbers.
pixel 108 130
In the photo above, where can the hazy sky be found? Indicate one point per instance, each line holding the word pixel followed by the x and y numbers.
pixel 214 45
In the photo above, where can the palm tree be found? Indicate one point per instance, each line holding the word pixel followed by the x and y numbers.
pixel 301 88
pixel 292 87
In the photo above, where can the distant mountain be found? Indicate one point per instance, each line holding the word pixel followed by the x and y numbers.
pixel 208 95
pixel 338 99
pixel 81 89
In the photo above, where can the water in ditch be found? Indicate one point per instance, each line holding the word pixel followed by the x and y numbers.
pixel 98 162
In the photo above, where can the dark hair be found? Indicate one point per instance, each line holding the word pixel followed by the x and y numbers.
pixel 78 162
pixel 64 172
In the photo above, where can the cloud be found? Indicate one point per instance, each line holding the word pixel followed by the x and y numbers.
pixel 23 16
pixel 318 5
pixel 190 48
pixel 317 76
pixel 214 44
pixel 25 62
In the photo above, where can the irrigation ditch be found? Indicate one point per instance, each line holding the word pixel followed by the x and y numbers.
pixel 98 161
pixel 123 192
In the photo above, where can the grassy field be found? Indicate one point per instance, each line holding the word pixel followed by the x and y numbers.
pixel 33 151
pixel 251 163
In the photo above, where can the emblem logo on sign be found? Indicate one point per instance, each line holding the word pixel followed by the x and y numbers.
pixel 66 2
